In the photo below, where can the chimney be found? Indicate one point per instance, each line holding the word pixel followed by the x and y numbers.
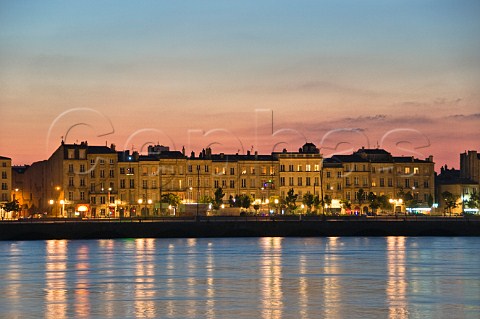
pixel 112 147
pixel 192 154
pixel 183 150
pixel 256 155
pixel 248 153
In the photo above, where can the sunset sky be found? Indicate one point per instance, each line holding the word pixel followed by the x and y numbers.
pixel 241 75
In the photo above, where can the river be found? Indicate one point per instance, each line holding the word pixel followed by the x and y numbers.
pixel 334 277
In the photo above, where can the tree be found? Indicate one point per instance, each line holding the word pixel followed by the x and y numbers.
pixel 430 200
pixel 327 201
pixel 218 198
pixel 290 200
pixel 244 201
pixel 373 201
pixel 407 198
pixel 450 201
pixel 384 203
pixel 360 196
pixel 171 199
pixel 474 200
pixel 12 206
pixel 308 200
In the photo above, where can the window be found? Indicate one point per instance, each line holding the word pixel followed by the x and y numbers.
pixel 92 162
pixel 70 181
pixel 407 182
pixel 264 170
pixel 244 183
pixel 71 153
pixel 206 168
pixel 328 174
pixel 307 168
pixel 382 182
pixel 299 181
pixel 102 199
pixel 111 161
pixel 132 183
pixel 70 195
pixel 348 195
pixel 416 170
pixel 355 181
pixel 339 174
pixel 70 168
pixel 4 175
pixel 365 181
pixel 390 182
pixel 82 195
pixel 232 183
pixel 232 171
pixel 339 186
pixel 299 168
pixel 415 183
pixel 93 200
pixel 92 187
pixel 190 169
pixel 112 173
pixel 290 181
pixel 102 173
pixel 282 181
pixel 316 168
pixel 82 153
pixel 92 173
pixel 82 168
pixel 282 168
pixel 224 183
pixel 144 184
pixel 122 183
pixel 407 170
pixel 122 170
pixel 216 183
pixel 290 168
pixel 307 181
pixel 4 186
pixel 347 181
pixel 426 184
pixel 252 170
pixel 252 183
pixel 102 161
pixel 82 182
pixel 315 181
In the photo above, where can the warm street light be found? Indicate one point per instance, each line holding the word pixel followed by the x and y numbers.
pixel 398 203
pixel 62 202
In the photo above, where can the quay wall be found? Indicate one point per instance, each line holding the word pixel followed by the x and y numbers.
pixel 236 228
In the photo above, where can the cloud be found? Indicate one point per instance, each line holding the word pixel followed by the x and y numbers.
pixel 465 117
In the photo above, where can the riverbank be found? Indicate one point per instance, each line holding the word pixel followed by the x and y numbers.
pixel 266 227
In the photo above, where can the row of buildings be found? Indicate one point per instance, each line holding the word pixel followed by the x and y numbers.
pixel 100 181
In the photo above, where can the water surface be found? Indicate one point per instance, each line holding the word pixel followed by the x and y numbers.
pixel 341 277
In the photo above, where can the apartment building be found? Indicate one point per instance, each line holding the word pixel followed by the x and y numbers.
pixel 5 180
pixel 99 181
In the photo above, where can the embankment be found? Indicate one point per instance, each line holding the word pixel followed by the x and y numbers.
pixel 235 228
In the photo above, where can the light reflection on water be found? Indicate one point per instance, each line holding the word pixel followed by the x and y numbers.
pixel 392 277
